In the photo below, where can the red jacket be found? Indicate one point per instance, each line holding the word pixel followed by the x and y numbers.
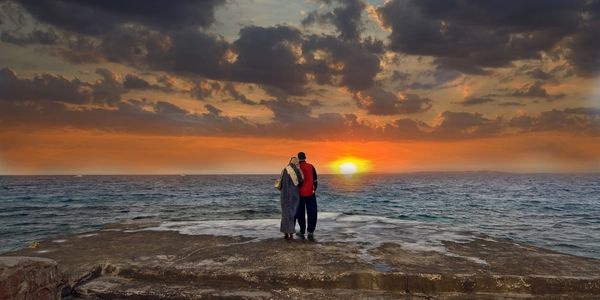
pixel 309 185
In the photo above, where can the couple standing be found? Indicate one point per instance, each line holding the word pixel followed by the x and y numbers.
pixel 298 183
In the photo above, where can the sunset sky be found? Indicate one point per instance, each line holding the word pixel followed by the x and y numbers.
pixel 239 86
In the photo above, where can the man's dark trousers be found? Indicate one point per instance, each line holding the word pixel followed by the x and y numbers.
pixel 307 205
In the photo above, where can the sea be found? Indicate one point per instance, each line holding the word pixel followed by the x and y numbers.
pixel 560 212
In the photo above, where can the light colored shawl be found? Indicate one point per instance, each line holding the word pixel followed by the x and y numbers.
pixel 290 170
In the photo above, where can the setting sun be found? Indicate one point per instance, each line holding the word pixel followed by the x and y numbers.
pixel 350 165
pixel 348 168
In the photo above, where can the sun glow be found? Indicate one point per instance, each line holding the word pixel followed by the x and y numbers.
pixel 350 165
pixel 348 168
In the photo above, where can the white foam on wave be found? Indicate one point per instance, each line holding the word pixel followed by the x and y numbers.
pixel 87 235
pixel 367 231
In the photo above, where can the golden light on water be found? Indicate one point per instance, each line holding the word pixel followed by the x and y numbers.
pixel 350 165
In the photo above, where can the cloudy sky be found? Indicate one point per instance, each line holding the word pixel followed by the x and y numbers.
pixel 238 86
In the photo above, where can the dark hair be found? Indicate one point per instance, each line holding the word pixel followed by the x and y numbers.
pixel 301 156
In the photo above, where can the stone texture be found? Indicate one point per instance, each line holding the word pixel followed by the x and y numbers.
pixel 122 262
pixel 25 278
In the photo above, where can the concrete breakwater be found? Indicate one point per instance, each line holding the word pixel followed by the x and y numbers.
pixel 124 261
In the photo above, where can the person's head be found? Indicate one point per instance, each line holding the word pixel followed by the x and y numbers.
pixel 294 161
pixel 301 156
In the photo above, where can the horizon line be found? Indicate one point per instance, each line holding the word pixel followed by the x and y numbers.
pixel 323 173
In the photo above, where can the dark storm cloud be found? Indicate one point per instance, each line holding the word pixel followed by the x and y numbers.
pixel 156 35
pixel 373 45
pixel 166 108
pixel 133 82
pixel 204 89
pixel 585 43
pixel 37 36
pixel 43 87
pixel 399 76
pixel 476 100
pixel 132 116
pixel 212 110
pixel 511 103
pixel 188 51
pixel 108 89
pixel 11 13
pixel 381 102
pixel 233 92
pixel 358 65
pixel 143 117
pixel 287 111
pixel 462 36
pixel 437 79
pixel 585 46
pixel 471 36
pixel 455 125
pixel 544 75
pixel 539 74
pixel 535 90
pixel 96 17
pixel 589 111
pixel 55 88
pixel 458 121
pixel 266 55
pixel 346 18
pixel 406 129
pixel 123 44
pixel 279 57
pixel 291 118
pixel 78 50
pixel 468 36
pixel 576 120
pixel 464 125
pixel 262 55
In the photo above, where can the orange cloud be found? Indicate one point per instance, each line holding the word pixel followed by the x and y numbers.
pixel 89 152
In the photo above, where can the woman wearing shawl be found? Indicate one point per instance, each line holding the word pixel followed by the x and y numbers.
pixel 291 179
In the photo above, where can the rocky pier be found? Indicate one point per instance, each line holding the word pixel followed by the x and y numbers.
pixel 123 261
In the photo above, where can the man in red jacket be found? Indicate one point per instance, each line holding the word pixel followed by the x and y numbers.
pixel 308 199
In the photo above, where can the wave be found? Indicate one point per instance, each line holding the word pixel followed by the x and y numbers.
pixel 335 227
pixel 528 208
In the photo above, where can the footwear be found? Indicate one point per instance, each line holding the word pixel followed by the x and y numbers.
pixel 301 236
pixel 289 238
pixel 311 237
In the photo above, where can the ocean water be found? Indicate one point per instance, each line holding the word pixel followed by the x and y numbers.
pixel 419 210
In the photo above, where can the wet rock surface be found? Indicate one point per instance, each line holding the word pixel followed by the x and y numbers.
pixel 124 262
pixel 24 278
